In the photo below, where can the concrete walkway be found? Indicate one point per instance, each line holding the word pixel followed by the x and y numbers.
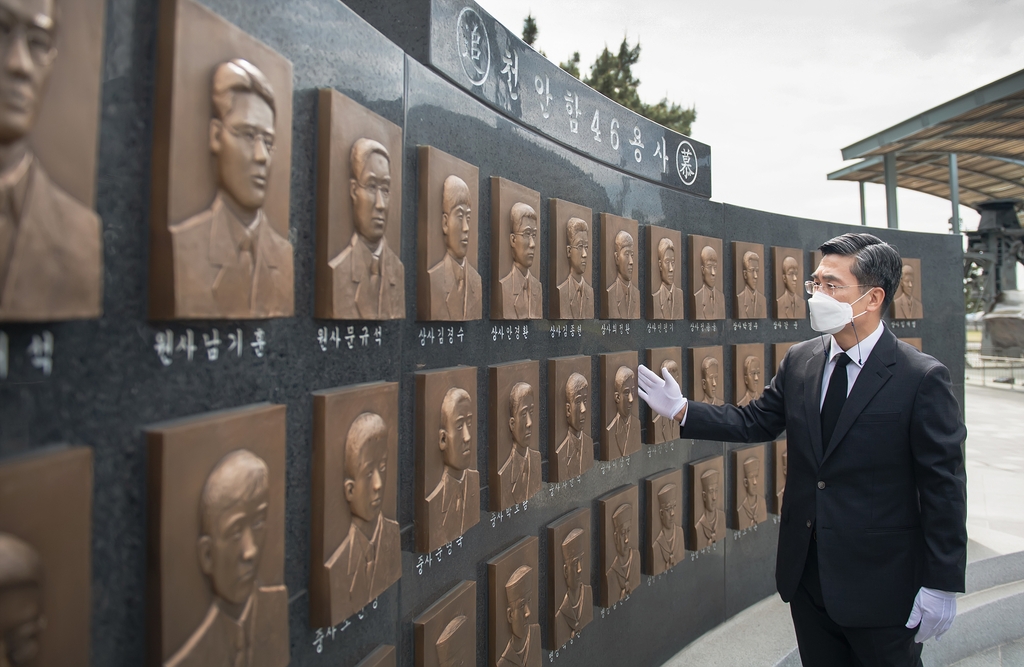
pixel 763 634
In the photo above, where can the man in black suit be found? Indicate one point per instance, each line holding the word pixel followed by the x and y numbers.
pixel 873 539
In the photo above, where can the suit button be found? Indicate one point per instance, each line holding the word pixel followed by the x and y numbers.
pixel 821 485
pixel 808 523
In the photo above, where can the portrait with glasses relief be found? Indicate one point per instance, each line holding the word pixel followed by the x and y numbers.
pixel 516 292
pixel 620 246
pixel 788 271
pixel 570 263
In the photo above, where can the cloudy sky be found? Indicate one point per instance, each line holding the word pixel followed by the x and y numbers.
pixel 781 87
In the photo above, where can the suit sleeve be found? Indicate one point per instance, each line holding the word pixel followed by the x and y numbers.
pixel 760 420
pixel 937 434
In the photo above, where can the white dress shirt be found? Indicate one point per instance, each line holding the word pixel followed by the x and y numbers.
pixel 858 355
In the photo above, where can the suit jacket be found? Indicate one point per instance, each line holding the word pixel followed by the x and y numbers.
pixel 887 494
pixel 353 297
pixel 623 437
pixel 214 279
pixel 663 309
pixel 353 583
pixel 262 634
pixel 573 464
pixel 510 497
pixel 511 304
pixel 446 301
pixel 666 556
pixel 791 307
pixel 56 262
pixel 623 578
pixel 751 305
pixel 623 301
pixel 580 309
pixel 453 510
pixel 710 304
pixel 665 428
pixel 906 308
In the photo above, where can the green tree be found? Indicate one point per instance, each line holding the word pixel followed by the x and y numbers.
pixel 530 29
pixel 572 66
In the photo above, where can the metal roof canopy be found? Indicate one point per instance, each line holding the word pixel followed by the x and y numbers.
pixel 968 150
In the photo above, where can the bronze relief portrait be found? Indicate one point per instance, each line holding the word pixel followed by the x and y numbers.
pixel 618 539
pixel 445 633
pixel 355 543
pixel 382 656
pixel 748 372
pixel 907 304
pixel 45 557
pixel 216 516
pixel 51 243
pixel 219 231
pixel 788 269
pixel 359 273
pixel 447 478
pixel 514 433
pixel 620 405
pixel 620 296
pixel 448 285
pixel 779 351
pixel 706 264
pixel 516 292
pixel 748 464
pixel 570 595
pixel 569 418
pixel 663 429
pixel 664 273
pixel 781 454
pixel 665 543
pixel 708 517
pixel 513 631
pixel 570 264
pixel 748 263
pixel 707 382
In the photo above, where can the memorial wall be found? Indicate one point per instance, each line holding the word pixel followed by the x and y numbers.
pixel 319 329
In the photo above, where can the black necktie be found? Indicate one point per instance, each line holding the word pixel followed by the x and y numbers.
pixel 835 397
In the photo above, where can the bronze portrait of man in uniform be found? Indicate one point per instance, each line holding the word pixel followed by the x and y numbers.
pixel 752 510
pixel 241 626
pixel 709 302
pixel 622 424
pixel 455 645
pixel 523 648
pixel 454 504
pixel 710 527
pixel 455 286
pixel 623 295
pixel 445 632
pixel 748 366
pixel 907 304
pixel 22 617
pixel 520 292
pixel 369 278
pixel 229 261
pixel 51 247
pixel 577 445
pixel 750 303
pixel 668 299
pixel 519 476
pixel 575 295
pixel 577 606
pixel 623 575
pixel 709 381
pixel 668 429
pixel 669 546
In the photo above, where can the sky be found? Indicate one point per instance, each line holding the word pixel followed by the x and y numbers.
pixel 781 87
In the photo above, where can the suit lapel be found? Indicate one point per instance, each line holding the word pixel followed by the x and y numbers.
pixel 872 378
pixel 813 370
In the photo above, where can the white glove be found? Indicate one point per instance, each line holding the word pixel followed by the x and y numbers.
pixel 934 612
pixel 662 394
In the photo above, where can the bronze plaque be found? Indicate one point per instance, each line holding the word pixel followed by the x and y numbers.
pixel 514 433
pixel 516 293
pixel 569 418
pixel 570 595
pixel 570 264
pixel 448 284
pixel 665 543
pixel 664 273
pixel 45 554
pixel 447 478
pixel 219 239
pixel 781 455
pixel 359 273
pixel 513 635
pixel 618 539
pixel 789 277
pixel 382 656
pixel 446 631
pixel 354 498
pixel 748 372
pixel 913 342
pixel 907 304
pixel 748 265
pixel 707 384
pixel 216 538
pixel 620 406
pixel 748 464
pixel 51 241
pixel 663 429
pixel 779 351
pixel 620 296
pixel 706 260
pixel 707 479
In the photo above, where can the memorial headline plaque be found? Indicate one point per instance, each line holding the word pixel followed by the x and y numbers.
pixel 749 487
pixel 620 245
pixel 569 418
pixel 618 539
pixel 359 271
pixel 707 384
pixel 514 433
pixel 788 271
pixel 620 405
pixel 445 633
pixel 663 429
pixel 447 478
pixel 570 595
pixel 513 633
pixel 664 274
pixel 216 532
pixel 516 292
pixel 706 262
pixel 219 245
pixel 571 265
pixel 748 372
pixel 748 263
pixel 666 545
pixel 907 304
pixel 707 521
pixel 355 545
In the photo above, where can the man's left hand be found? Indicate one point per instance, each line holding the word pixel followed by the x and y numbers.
pixel 932 614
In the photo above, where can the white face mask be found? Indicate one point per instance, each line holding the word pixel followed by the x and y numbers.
pixel 829 316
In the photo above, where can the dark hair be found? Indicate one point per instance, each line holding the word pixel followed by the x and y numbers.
pixel 878 263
